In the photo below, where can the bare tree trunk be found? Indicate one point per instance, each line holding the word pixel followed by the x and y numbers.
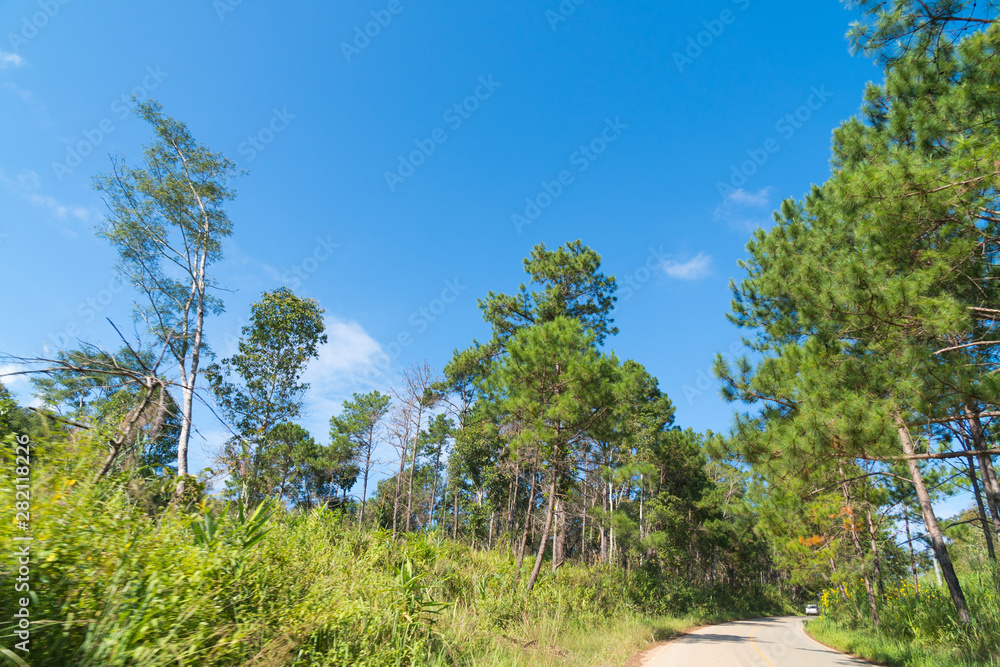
pixel 527 518
pixel 546 527
pixel 559 534
pixel 872 536
pixel 913 557
pixel 611 523
pixel 399 478
pixel 190 376
pixel 417 379
pixel 642 493
pixel 992 488
pixel 933 529
pixel 413 463
pixel 605 497
pixel 512 501
pixel 583 519
pixel 602 532
pixel 984 518
pixel 434 487
pixel 454 525
pixel 187 405
pixel 402 436
pixel 872 604
pixel 364 489
pixel 990 485
pixel 590 537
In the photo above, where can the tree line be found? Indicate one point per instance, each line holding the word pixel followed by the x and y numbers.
pixel 539 440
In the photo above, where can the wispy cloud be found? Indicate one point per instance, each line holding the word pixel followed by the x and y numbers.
pixel 28 186
pixel 695 268
pixel 10 60
pixel 240 267
pixel 11 381
pixel 343 361
pixel 37 108
pixel 745 210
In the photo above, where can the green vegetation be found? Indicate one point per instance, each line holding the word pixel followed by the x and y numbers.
pixel 544 507
pixel 872 306
pixel 121 585
pixel 915 631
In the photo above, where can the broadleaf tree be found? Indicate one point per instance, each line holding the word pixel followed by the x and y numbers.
pixel 260 386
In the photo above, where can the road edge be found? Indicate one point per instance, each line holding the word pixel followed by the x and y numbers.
pixel 834 648
pixel 639 658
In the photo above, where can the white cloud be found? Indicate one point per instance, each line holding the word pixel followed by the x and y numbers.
pixel 10 60
pixel 695 268
pixel 28 186
pixel 348 350
pixel 12 381
pixel 745 210
pixel 757 199
pixel 350 361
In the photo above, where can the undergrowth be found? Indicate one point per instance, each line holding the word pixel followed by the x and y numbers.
pixel 915 631
pixel 116 583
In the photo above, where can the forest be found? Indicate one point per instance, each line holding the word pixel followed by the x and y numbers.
pixel 541 505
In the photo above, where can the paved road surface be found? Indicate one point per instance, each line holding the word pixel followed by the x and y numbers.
pixel 762 642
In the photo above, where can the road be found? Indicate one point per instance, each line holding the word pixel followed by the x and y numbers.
pixel 762 642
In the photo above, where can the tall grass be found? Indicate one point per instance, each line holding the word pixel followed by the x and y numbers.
pixel 117 584
pixel 916 631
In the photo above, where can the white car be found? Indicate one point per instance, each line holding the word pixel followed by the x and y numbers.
pixel 812 610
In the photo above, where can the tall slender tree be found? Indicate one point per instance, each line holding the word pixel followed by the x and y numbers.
pixel 167 220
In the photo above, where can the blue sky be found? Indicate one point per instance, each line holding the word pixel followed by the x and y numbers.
pixel 404 157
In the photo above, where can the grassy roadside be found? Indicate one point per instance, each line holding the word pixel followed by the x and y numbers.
pixel 118 584
pixel 565 641
pixel 882 649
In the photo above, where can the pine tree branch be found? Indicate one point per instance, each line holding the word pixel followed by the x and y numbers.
pixel 923 457
pixel 954 418
pixel 854 479
pixel 965 345
pixel 989 312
